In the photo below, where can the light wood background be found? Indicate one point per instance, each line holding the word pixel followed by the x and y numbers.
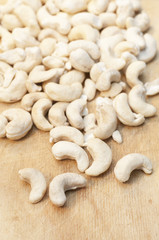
pixel 106 209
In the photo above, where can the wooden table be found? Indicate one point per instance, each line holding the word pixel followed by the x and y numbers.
pixel 106 209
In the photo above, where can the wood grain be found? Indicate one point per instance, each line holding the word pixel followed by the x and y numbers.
pixel 106 209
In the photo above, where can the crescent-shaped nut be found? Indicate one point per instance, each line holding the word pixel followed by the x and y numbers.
pixel 101 154
pixel 130 162
pixel 83 31
pixel 114 90
pixel 37 181
pixel 8 19
pixel 141 21
pixel 19 123
pixel 89 89
pixel 81 60
pixel 63 93
pixel 53 62
pixel 106 119
pixel 7 41
pixel 29 99
pixel 13 56
pixel 126 46
pixel 75 6
pixel 134 70
pixel 152 88
pixel 38 113
pixel 96 70
pixel 86 18
pixel 124 10
pixel 74 113
pixel 45 51
pixel 124 113
pixel 66 133
pixel 138 102
pixel 97 6
pixel 62 183
pixel 69 150
pixel 56 114
pixel 134 34
pixel 49 32
pixel 150 50
pixel 72 77
pixel 107 19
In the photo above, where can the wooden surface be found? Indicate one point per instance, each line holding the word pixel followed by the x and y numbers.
pixel 106 209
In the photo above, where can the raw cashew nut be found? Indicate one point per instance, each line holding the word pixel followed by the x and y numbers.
pixel 56 114
pixel 111 7
pixel 68 150
pixel 10 21
pixel 51 7
pixel 126 46
pixel 7 74
pixel 48 32
pixel 63 93
pixel 89 122
pixel 97 6
pixel 38 113
pixel 141 21
pixel 134 34
pixel 107 19
pixel 117 136
pixel 71 7
pixel 89 89
pixel 124 113
pixel 86 18
pixel 134 70
pixel 130 162
pixel 35 5
pixel 16 90
pixel 152 88
pixel 32 87
pixel 37 181
pixel 7 41
pixel 114 90
pixel 45 50
pixel 96 70
pixel 124 10
pixel 20 123
pixel 13 56
pixel 66 133
pixel 85 32
pixel 101 154
pixel 81 60
pixel 62 183
pixel 29 99
pixel 74 113
pixel 106 119
pixel 53 62
pixel 138 102
pixel 72 77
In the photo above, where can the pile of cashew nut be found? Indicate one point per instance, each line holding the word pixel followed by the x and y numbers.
pixel 59 58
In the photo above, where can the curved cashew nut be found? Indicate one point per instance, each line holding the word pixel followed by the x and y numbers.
pixel 101 154
pixel 150 50
pixel 63 93
pixel 72 77
pixel 74 7
pixel 7 41
pixel 97 6
pixel 35 5
pixel 81 60
pixel 124 113
pixel 89 89
pixel 32 87
pixel 69 150
pixel 86 18
pixel 124 10
pixel 16 90
pixel 90 47
pixel 130 162
pixel 85 32
pixel 89 122
pixel 138 102
pixel 107 19
pixel 53 62
pixel 141 21
pixel 59 22
pixel 38 113
pixel 33 58
pixel 134 34
pixel 62 183
pixel 12 56
pixel 96 70
pixel 152 88
pixel 111 7
pixel 126 46
pixel 134 70
pixel 39 74
pixel 37 181
pixel 51 7
pixel 110 31
pixel 129 58
pixel 8 19
pixel 56 114
pixel 106 119
pixel 48 32
pixel 7 74
pixel 29 99
pixel 45 51
pixel 3 123
pixel 66 133
pixel 19 125
pixel 74 112
pixel 114 90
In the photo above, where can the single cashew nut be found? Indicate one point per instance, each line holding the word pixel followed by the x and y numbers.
pixel 20 123
pixel 134 34
pixel 10 22
pixel 12 56
pixel 130 162
pixel 72 77
pixel 7 41
pixel 107 19
pixel 37 181
pixel 97 6
pixel 114 90
pixel 56 114
pixel 68 150
pixel 74 7
pixel 62 183
pixel 101 154
pixel 138 102
pixel 45 51
pixel 86 18
pixel 152 88
pixel 89 89
pixel 141 21
pixel 51 33
pixel 53 62
pixel 126 46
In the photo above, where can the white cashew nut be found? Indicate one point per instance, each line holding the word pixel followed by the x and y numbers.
pixel 48 32
pixel 13 56
pixel 71 7
pixel 89 122
pixel 141 21
pixel 7 41
pixel 62 183
pixel 130 162
pixel 117 136
pixel 134 34
pixel 124 10
pixel 56 114
pixel 152 88
pixel 86 18
pixel 114 90
pixel 37 181
pixel 3 123
pixel 45 51
pixel 68 150
pixel 89 89
pixel 97 6
pixel 10 21
pixel 72 77
pixel 126 46
pixel 107 19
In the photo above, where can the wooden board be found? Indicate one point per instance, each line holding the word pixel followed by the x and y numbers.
pixel 106 209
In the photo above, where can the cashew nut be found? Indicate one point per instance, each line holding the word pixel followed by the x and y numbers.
pixel 134 34
pixel 124 10
pixel 130 162
pixel 141 21
pixel 72 77
pixel 56 114
pixel 126 46
pixel 10 21
pixel 7 41
pixel 74 7
pixel 138 102
pixel 51 7
pixel 114 90
pixel 19 123
pixel 117 137
pixel 62 183
pixel 3 123
pixel 89 89
pixel 107 19
pixel 96 70
pixel 101 154
pixel 124 113
pixel 12 56
pixel 45 51
pixel 111 7
pixel 97 6
pixel 48 32
pixel 37 181
pixel 152 88
pixel 66 133
pixel 35 5
pixel 53 62
pixel 7 74
pixel 39 110
pixel 86 18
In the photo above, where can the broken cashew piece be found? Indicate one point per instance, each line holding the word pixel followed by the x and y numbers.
pixel 62 183
pixel 102 157
pixel 69 150
pixel 89 89
pixel 138 102
pixel 129 163
pixel 117 136
pixel 3 123
pixel 56 114
pixel 37 181
pixel 66 133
